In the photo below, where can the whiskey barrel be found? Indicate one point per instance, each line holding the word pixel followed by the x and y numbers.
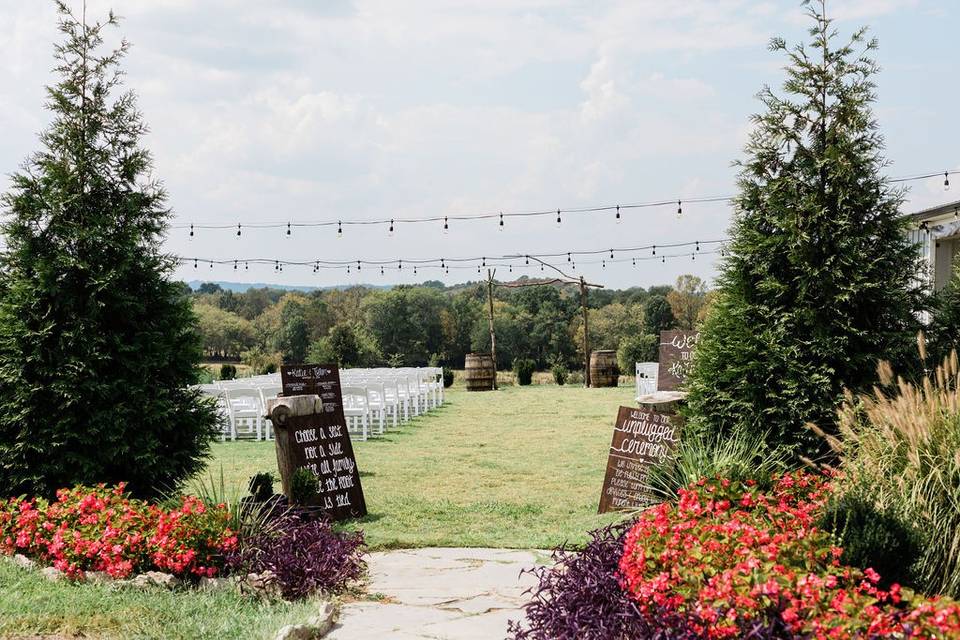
pixel 604 371
pixel 479 372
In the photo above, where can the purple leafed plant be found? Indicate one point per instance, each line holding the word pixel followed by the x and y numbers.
pixel 306 556
pixel 580 598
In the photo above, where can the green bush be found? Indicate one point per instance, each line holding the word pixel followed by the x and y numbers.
pixel 303 487
pixel 899 447
pixel 872 539
pixel 560 373
pixel 261 486
pixel 523 368
pixel 634 349
pixel 575 377
pixel 447 377
pixel 228 372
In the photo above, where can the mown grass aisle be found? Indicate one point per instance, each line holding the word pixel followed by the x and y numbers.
pixel 517 468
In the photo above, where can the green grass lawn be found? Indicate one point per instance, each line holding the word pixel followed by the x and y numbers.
pixel 521 467
pixel 33 607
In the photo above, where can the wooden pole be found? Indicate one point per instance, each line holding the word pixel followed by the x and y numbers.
pixel 493 333
pixel 586 334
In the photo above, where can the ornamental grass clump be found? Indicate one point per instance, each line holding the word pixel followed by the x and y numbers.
pixel 900 447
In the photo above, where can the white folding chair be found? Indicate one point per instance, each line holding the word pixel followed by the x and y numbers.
pixel 268 392
pixel 356 406
pixel 243 404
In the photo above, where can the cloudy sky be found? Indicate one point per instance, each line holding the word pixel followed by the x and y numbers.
pixel 300 111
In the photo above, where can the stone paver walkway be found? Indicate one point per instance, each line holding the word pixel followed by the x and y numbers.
pixel 441 594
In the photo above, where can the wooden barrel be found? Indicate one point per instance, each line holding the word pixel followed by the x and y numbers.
pixel 479 372
pixel 604 371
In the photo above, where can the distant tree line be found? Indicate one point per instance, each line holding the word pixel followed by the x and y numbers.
pixel 434 324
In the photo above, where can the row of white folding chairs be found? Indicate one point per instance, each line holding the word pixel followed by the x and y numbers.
pixel 242 408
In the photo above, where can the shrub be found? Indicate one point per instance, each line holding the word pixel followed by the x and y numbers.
pixel 306 557
pixel 634 349
pixel 523 368
pixel 228 372
pixel 303 487
pixel 104 529
pixel 575 377
pixel 560 373
pixel 261 486
pixel 872 539
pixel 899 448
pixel 447 377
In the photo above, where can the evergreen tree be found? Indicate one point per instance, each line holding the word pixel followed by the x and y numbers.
pixel 97 345
pixel 819 282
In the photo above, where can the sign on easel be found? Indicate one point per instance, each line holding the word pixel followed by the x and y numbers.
pixel 314 437
pixel 642 439
pixel 676 358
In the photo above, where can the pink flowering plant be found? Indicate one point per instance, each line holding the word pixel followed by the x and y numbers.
pixel 727 554
pixel 103 529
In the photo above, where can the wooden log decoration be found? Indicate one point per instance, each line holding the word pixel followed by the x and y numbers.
pixel 280 410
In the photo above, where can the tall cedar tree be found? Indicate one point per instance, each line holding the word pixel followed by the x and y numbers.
pixel 820 279
pixel 97 345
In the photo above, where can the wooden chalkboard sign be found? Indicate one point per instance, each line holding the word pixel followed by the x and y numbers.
pixel 676 358
pixel 641 439
pixel 318 441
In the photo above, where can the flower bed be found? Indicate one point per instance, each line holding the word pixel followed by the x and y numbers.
pixel 725 561
pixel 103 529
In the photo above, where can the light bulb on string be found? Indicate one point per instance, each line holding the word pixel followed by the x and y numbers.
pixel 399 265
pixel 390 232
pixel 484 262
pixel 527 259
pixel 611 254
pixel 381 270
pixel 663 259
pixel 511 268
pixel 234 265
pixel 618 214
pixel 339 228
pixel 211 264
pixel 501 221
pixel 246 266
pixel 697 243
pixel 634 262
pixel 445 226
pixel 558 217
pixel 568 258
pixel 603 263
pixel 654 250
pixel 288 229
pixel 191 230
pixel 442 265
pixel 414 271
pixel 348 269
pixel 693 256
pixel 238 229
pixel 194 263
pixel 358 265
pixel 276 265
pixel 281 267
pixel 946 181
pixel 679 209
pixel 541 266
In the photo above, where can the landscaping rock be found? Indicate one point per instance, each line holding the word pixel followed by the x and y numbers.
pixel 98 577
pixel 315 626
pixel 23 561
pixel 52 573
pixel 260 585
pixel 156 579
pixel 214 584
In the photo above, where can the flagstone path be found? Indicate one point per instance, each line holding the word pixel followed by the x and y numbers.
pixel 440 594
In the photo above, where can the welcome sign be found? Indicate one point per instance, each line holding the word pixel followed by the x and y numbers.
pixel 642 439
pixel 676 358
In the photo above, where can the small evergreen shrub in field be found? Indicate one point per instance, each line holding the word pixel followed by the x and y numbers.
pixel 306 556
pixel 523 368
pixel 575 377
pixel 303 487
pixel 560 373
pixel 261 486
pixel 447 377
pixel 228 372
